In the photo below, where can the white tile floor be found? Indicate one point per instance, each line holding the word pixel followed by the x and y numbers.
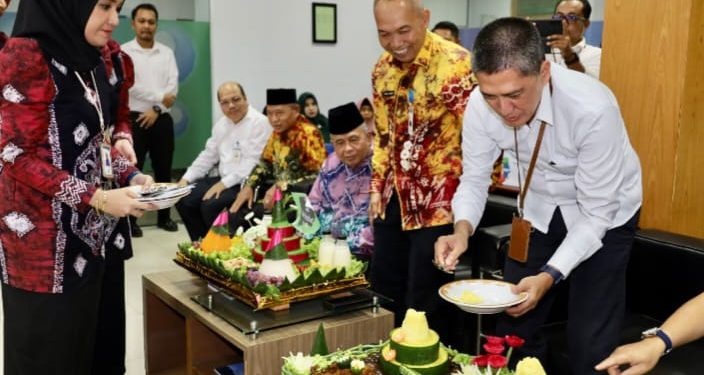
pixel 152 253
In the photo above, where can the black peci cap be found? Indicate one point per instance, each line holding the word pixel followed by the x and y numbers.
pixel 344 119
pixel 281 96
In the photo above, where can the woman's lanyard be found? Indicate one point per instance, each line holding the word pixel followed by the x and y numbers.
pixel 93 98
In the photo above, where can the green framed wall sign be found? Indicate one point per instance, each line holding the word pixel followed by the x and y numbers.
pixel 324 23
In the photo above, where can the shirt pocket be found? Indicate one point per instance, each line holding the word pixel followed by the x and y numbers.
pixel 561 167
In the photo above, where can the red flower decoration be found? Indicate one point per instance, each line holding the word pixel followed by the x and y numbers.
pixel 481 360
pixel 496 340
pixel 514 341
pixel 493 348
pixel 497 361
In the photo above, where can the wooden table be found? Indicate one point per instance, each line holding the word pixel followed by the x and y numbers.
pixel 181 337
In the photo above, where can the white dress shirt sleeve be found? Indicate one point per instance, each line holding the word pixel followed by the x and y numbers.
pixel 206 159
pixel 172 83
pixel 591 60
pixel 479 151
pixel 599 175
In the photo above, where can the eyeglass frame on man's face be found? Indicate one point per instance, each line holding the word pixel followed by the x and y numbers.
pixel 232 101
pixel 569 18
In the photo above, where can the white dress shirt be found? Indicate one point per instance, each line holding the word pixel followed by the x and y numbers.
pixel 589 56
pixel 155 75
pixel 586 165
pixel 237 148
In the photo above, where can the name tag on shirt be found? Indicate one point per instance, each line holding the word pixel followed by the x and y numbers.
pixel 237 153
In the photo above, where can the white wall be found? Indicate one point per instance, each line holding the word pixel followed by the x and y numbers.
pixel 268 44
pixel 202 10
pixel 482 12
pixel 477 13
pixel 597 10
pixel 454 11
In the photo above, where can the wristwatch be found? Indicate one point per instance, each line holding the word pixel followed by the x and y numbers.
pixel 157 109
pixel 656 331
pixel 554 272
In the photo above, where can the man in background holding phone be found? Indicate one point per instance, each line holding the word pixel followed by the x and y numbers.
pixel 574 52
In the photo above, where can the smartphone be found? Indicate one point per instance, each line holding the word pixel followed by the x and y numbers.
pixel 547 28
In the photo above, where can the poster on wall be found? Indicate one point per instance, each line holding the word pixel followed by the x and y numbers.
pixel 190 41
pixel 324 23
pixel 540 9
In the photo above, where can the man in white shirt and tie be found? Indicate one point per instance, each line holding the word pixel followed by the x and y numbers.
pixel 584 198
pixel 235 146
pixel 151 98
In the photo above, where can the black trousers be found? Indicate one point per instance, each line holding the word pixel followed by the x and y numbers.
pixel 402 269
pixel 110 341
pixel 51 333
pixel 597 297
pixel 198 215
pixel 158 142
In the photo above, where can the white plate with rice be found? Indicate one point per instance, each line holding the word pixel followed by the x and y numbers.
pixel 481 296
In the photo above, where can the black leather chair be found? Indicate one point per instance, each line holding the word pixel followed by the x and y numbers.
pixel 490 235
pixel 664 272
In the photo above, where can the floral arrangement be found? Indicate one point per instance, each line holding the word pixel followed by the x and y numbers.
pixel 237 265
pixel 357 357
pixel 363 359
pixel 495 363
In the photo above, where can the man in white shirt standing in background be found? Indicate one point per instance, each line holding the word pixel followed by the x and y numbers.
pixel 151 98
pixel 584 199
pixel 570 48
pixel 235 146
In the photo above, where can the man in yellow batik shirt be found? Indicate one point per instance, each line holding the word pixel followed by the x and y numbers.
pixel 292 156
pixel 421 87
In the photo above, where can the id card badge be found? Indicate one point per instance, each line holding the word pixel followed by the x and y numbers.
pixel 106 161
pixel 236 153
pixel 520 239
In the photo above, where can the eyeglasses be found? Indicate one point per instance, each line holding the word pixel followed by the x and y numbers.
pixel 233 101
pixel 570 18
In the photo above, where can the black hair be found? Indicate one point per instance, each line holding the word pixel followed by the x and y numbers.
pixel 146 6
pixel 508 43
pixel 447 25
pixel 586 8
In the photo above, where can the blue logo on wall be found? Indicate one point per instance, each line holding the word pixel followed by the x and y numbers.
pixel 182 45
pixel 180 116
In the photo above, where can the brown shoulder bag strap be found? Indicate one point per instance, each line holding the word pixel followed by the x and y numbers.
pixel 534 158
